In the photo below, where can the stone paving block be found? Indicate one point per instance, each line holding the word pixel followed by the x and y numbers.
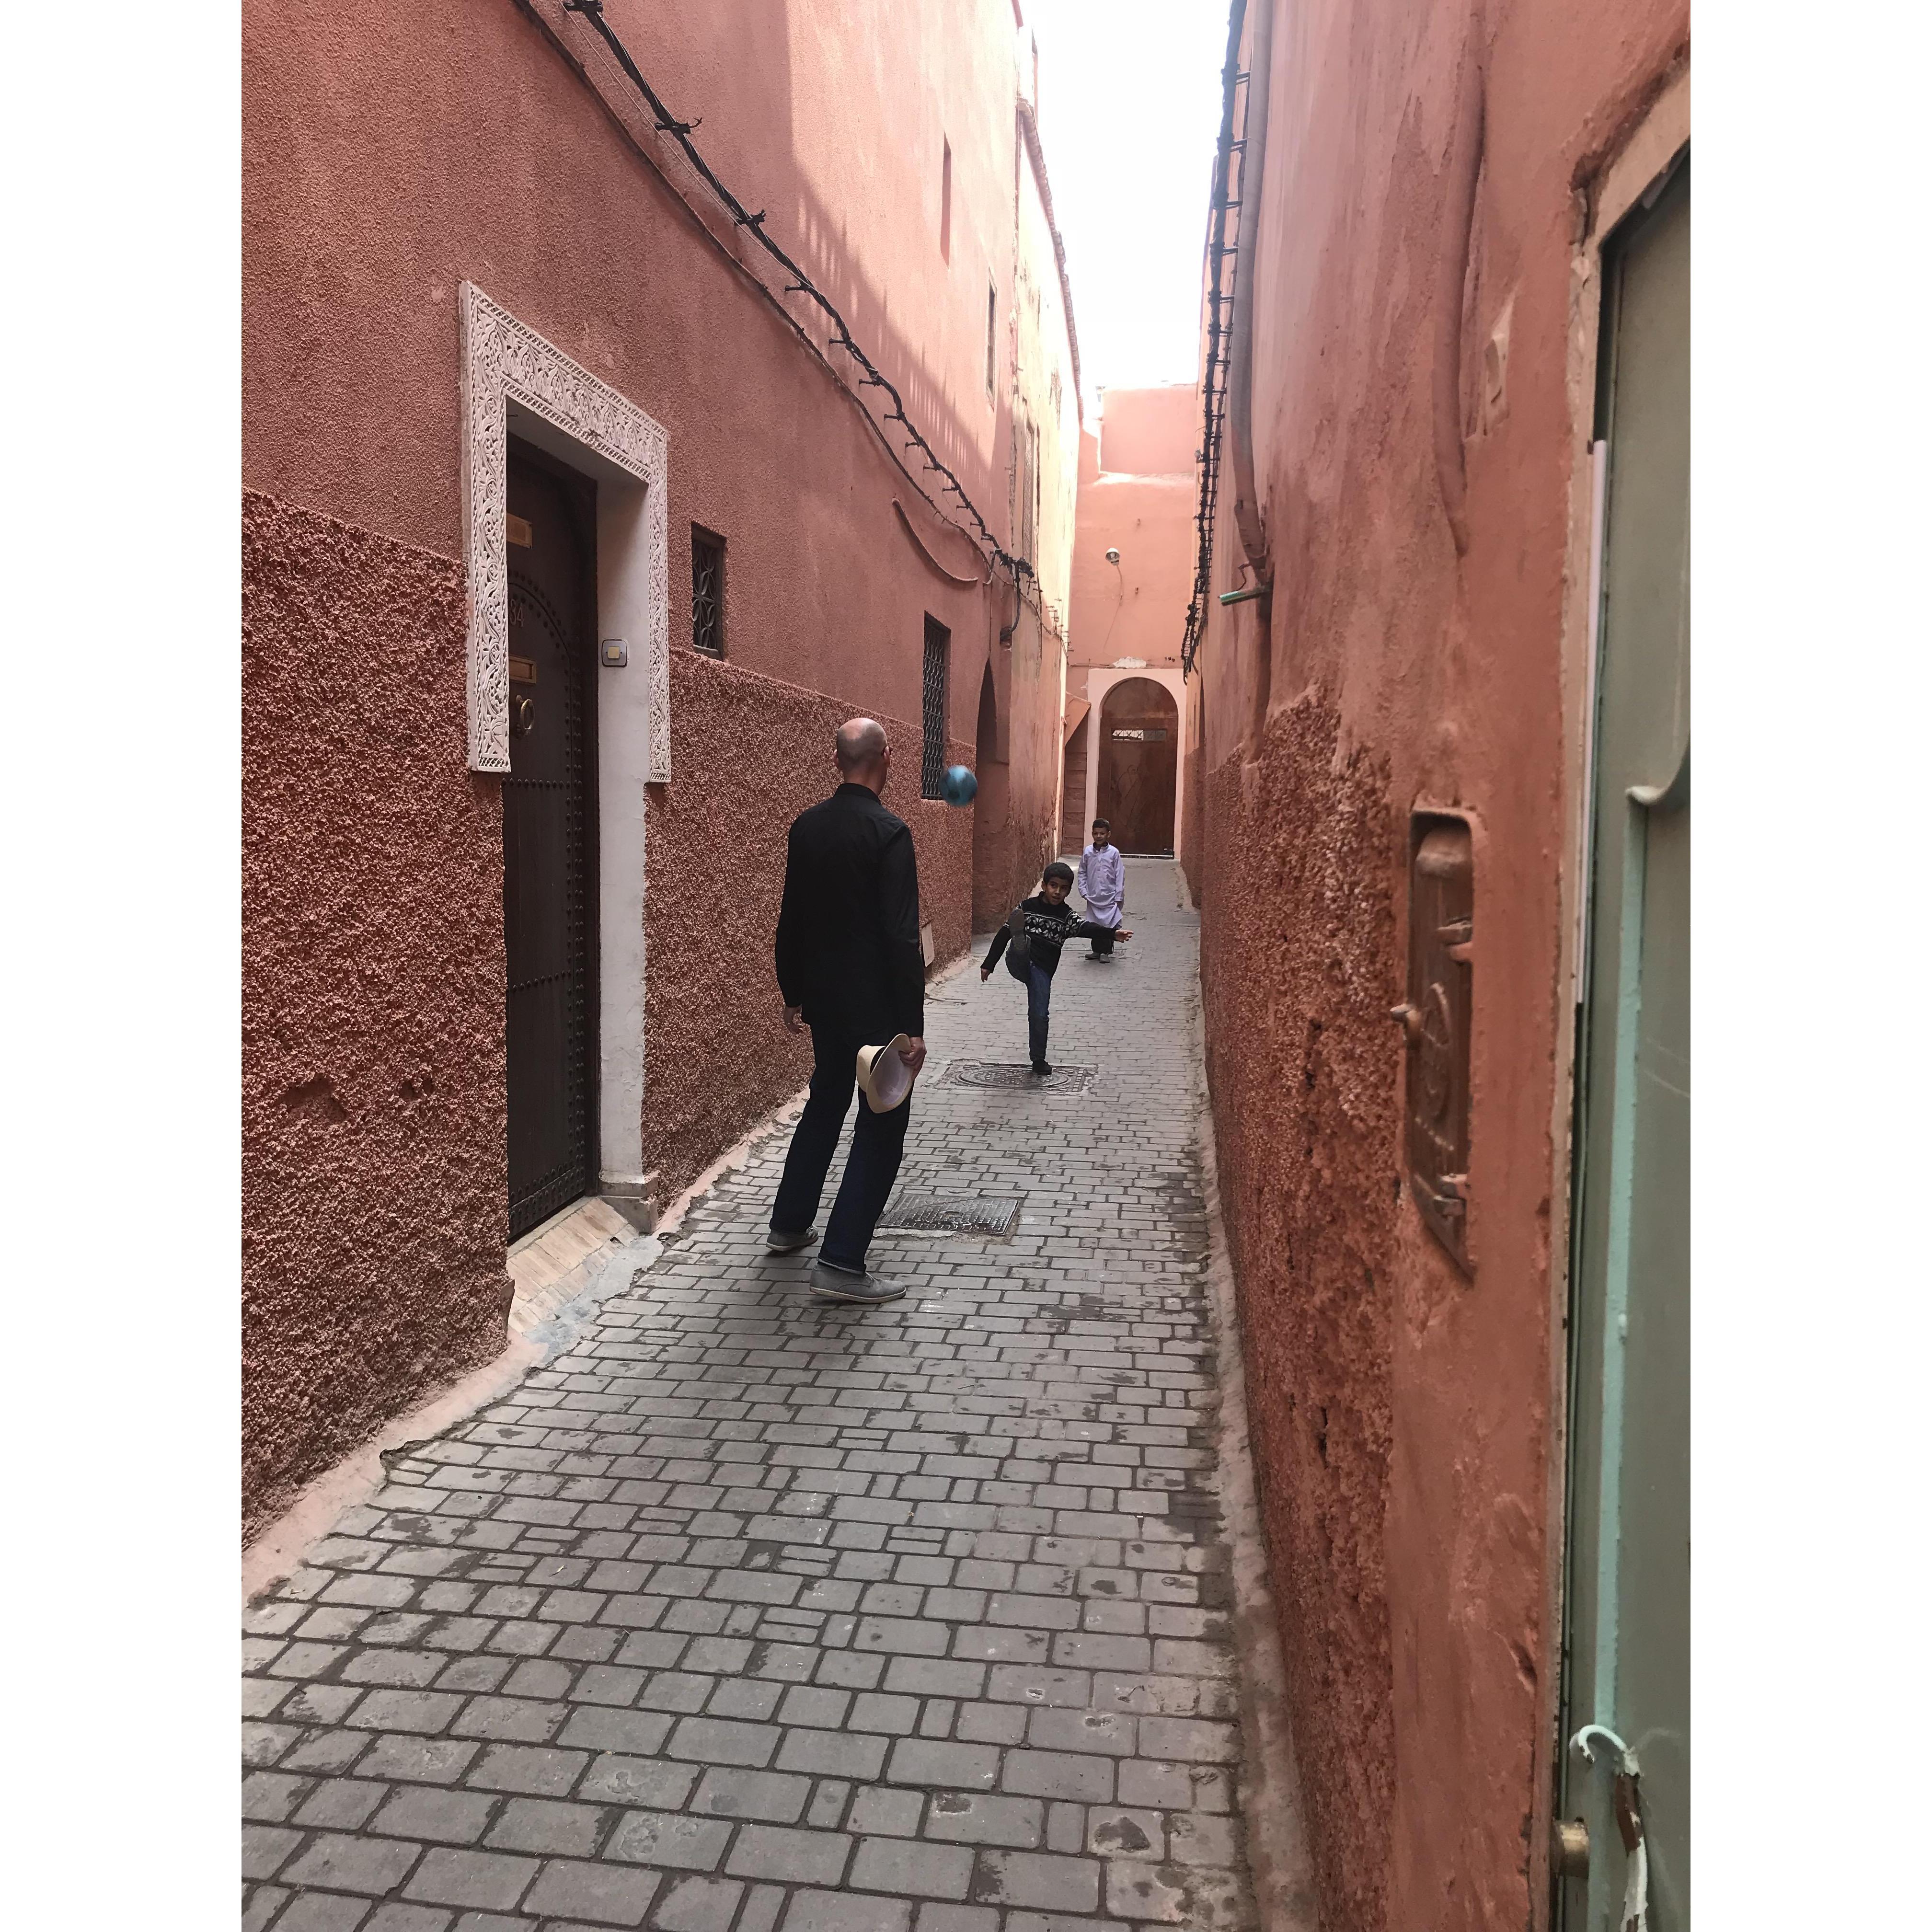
pixel 260 1903
pixel 442 1816
pixel 324 1911
pixel 547 1825
pixel 797 1857
pixel 489 1878
pixel 268 1797
pixel 933 1917
pixel 396 1917
pixel 663 1838
pixel 540 1771
pixel 606 1894
pixel 341 1863
pixel 638 1733
pixel 724 1741
pixel 962 1766
pixel 978 1818
pixel 698 1905
pixel 266 1849
pixel 1195 1741
pixel 340 1804
pixel 653 1783
pixel 1062 1775
pixel 326 1751
pixel 1115 1832
pixel 832 1753
pixel 910 1867
pixel 836 1911
pixel 771 1796
pixel 1040 1878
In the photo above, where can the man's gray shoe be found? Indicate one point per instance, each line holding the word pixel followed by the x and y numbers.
pixel 789 1244
pixel 833 1284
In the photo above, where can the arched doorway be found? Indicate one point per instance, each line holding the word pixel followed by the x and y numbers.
pixel 992 863
pixel 1139 748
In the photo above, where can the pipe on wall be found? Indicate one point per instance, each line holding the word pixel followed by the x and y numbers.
pixel 1465 163
pixel 1241 358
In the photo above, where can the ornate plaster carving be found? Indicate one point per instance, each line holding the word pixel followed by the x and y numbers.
pixel 503 362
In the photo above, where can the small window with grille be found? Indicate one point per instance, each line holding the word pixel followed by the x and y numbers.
pixel 932 761
pixel 707 591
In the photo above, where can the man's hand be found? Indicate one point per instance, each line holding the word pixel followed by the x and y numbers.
pixel 1123 934
pixel 986 972
pixel 793 1022
pixel 913 1054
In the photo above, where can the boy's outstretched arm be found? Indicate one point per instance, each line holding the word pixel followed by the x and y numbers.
pixel 993 952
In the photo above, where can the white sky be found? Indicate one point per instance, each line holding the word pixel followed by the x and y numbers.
pixel 1130 105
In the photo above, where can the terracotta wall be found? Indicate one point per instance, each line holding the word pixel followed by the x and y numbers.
pixel 1132 612
pixel 1404 1414
pixel 372 1181
pixel 389 155
pixel 1137 608
pixel 1152 432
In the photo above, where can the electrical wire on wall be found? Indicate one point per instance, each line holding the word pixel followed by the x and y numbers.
pixel 917 446
pixel 1219 299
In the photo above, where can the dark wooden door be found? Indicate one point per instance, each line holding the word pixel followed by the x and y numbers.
pixel 550 920
pixel 1138 748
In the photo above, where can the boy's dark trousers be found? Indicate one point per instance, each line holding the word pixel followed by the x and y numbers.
pixel 878 1141
pixel 1103 945
pixel 1039 997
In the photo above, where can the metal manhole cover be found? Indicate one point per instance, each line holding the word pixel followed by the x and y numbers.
pixel 1019 1077
pixel 952 1214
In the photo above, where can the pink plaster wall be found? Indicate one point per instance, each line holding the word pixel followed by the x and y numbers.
pixel 1402 1413
pixel 1150 432
pixel 388 154
pixel 1137 608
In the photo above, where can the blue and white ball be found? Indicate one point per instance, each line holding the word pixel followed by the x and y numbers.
pixel 961 786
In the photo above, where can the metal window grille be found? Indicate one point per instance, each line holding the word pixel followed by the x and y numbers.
pixel 707 593
pixel 932 761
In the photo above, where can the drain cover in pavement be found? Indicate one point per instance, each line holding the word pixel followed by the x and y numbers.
pixel 996 1073
pixel 952 1214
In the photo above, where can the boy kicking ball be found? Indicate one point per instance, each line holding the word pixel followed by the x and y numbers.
pixel 1042 925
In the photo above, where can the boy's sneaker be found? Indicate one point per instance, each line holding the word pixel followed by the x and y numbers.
pixel 782 1244
pixel 837 1284
pixel 1041 1066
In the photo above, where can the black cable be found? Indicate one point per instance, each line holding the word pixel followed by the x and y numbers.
pixel 801 283
pixel 1214 378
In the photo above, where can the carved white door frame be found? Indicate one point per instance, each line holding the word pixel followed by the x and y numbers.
pixel 513 380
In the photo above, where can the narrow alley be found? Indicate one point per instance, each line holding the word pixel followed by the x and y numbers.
pixel 748 1613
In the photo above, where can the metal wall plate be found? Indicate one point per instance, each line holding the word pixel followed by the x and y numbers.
pixel 1018 1077
pixel 990 1214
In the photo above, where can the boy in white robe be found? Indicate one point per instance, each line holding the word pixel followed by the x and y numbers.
pixel 1101 881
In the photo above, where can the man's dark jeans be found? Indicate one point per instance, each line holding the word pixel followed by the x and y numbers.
pixel 878 1141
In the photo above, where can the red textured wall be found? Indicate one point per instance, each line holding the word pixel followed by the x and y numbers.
pixel 389 155
pixel 1403 1413
pixel 373 1210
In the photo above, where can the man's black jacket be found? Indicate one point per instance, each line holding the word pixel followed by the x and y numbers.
pixel 848 950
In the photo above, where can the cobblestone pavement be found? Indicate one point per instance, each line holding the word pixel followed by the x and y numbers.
pixel 750 1614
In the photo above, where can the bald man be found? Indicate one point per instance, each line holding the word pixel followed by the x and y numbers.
pixel 850 967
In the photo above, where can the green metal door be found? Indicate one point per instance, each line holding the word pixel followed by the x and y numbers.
pixel 1626 1702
